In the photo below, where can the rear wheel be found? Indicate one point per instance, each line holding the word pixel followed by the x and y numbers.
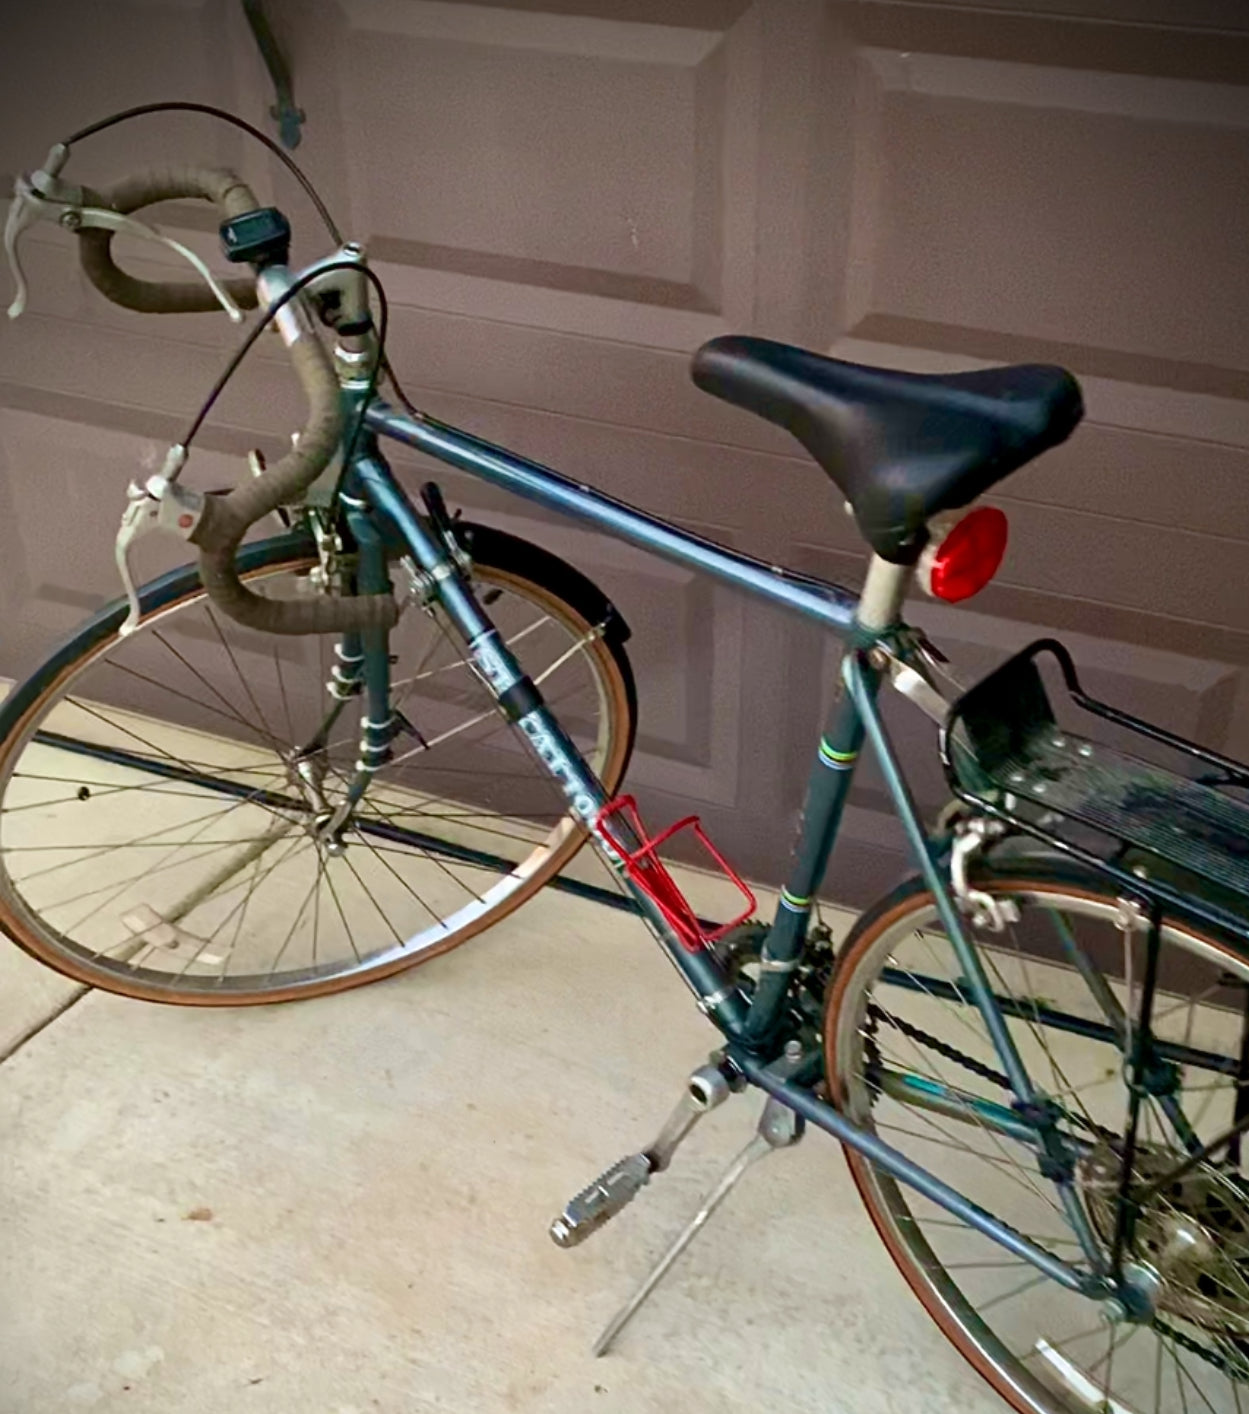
pixel 898 1033
pixel 157 816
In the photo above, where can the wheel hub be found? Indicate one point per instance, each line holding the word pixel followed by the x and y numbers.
pixel 1193 1235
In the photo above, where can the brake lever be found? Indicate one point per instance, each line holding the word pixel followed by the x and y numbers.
pixel 158 503
pixel 20 216
pixel 28 195
pixel 42 197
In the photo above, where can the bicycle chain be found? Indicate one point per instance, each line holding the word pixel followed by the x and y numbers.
pixel 1234 1370
pixel 877 1014
pixel 985 1072
pixel 942 1048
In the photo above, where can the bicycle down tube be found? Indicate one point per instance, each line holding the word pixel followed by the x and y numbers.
pixel 853 717
pixel 522 703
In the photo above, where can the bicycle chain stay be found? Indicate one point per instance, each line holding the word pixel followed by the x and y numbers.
pixel 978 1068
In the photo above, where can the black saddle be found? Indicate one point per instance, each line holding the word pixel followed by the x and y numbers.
pixel 900 446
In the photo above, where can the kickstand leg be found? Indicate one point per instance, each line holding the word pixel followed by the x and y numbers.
pixel 779 1128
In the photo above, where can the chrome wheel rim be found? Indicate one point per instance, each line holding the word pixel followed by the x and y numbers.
pixel 200 793
pixel 1044 1349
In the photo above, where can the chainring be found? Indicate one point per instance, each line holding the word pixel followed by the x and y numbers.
pixel 738 953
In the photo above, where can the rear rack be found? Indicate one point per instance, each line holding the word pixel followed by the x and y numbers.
pixel 1158 832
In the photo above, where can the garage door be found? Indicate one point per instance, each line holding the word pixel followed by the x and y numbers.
pixel 566 198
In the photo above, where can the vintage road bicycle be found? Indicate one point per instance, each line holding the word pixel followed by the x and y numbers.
pixel 315 758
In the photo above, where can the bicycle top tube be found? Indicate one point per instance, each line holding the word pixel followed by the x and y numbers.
pixel 828 604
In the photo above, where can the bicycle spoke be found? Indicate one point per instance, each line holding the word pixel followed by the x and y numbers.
pixel 227 712
pixel 316 906
pixel 251 886
pixel 298 919
pixel 1011 1294
pixel 147 841
pixel 1182 1374
pixel 159 752
pixel 286 705
pixel 1060 1345
pixel 254 884
pixel 347 928
pixel 511 641
pixel 238 673
pixel 98 793
pixel 1037 1032
pixel 398 937
pixel 938 1037
pixel 433 913
pixel 1015 1172
pixel 210 847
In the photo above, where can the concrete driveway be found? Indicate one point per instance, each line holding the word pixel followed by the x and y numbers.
pixel 340 1206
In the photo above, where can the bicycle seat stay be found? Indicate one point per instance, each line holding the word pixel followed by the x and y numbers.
pixel 901 447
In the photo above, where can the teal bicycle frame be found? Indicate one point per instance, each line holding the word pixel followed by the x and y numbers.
pixel 750 1026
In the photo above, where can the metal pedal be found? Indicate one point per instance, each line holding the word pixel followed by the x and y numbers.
pixel 778 1128
pixel 601 1200
pixel 620 1185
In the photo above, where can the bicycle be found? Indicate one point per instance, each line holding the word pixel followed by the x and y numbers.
pixel 1035 1052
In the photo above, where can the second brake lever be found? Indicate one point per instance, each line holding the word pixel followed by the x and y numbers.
pixel 159 503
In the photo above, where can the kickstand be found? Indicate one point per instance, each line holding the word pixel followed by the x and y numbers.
pixel 779 1128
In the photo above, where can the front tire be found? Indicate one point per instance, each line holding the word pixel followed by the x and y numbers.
pixel 156 830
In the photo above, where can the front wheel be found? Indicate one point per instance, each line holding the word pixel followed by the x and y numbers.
pixel 159 800
pixel 909 1058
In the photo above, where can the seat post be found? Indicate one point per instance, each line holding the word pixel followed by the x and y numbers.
pixel 883 593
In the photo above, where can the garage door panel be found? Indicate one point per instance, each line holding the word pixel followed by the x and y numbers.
pixel 576 375
pixel 92 59
pixel 1208 41
pixel 140 371
pixel 1164 481
pixel 507 109
pixel 1027 201
pixel 463 106
pixel 1120 562
pixel 565 197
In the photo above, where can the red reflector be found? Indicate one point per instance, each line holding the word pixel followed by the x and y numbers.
pixel 969 556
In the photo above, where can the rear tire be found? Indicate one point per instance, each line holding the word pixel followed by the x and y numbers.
pixel 155 838
pixel 890 1006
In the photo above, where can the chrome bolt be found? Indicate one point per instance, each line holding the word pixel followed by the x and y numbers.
pixel 1114 1312
pixel 1084 749
pixel 71 220
pixel 793 1050
pixel 1059 742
